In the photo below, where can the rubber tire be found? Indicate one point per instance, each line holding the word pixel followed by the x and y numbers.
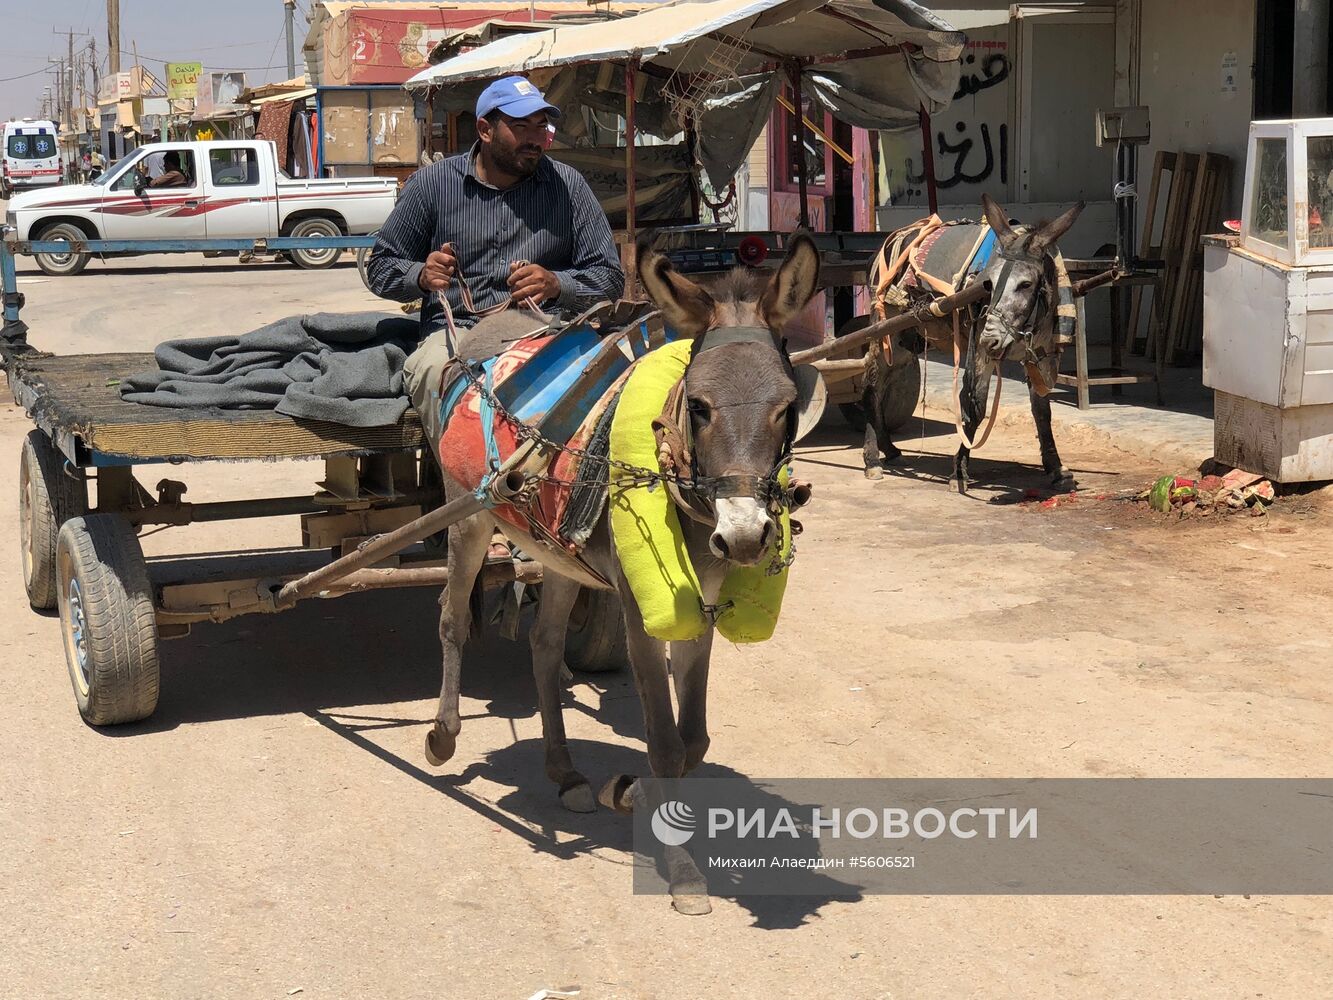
pixel 363 265
pixel 854 415
pixel 99 562
pixel 904 393
pixel 314 260
pixel 76 261
pixel 596 642
pixel 47 499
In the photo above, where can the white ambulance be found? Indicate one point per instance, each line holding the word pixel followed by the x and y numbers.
pixel 29 156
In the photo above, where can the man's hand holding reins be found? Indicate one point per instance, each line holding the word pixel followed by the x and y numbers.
pixel 439 270
pixel 531 281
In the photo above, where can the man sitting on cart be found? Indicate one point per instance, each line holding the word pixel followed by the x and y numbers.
pixel 502 224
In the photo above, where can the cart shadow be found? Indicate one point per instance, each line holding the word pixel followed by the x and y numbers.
pixel 531 812
pixel 368 649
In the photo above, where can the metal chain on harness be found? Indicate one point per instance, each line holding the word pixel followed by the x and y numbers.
pixel 635 475
pixel 478 378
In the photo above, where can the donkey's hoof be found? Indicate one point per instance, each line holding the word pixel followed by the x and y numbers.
pixel 1063 477
pixel 692 904
pixel 440 746
pixel 578 798
pixel 874 472
pixel 618 794
pixel 958 485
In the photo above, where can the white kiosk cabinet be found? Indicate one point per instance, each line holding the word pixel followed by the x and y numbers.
pixel 1268 309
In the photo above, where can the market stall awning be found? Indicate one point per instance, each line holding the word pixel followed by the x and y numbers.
pixel 697 36
pixel 872 63
pixel 967 19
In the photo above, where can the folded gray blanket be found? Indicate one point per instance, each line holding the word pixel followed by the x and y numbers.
pixel 342 368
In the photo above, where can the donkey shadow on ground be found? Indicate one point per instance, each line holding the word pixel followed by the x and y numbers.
pixel 382 649
pixel 531 812
pixel 928 447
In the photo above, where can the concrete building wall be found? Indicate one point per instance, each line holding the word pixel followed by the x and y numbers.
pixel 1020 128
pixel 1195 59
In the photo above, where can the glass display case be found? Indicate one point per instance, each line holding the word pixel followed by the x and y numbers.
pixel 1287 213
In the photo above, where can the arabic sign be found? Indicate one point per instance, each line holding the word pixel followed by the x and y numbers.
pixel 970 140
pixel 182 79
pixel 116 87
pixel 125 86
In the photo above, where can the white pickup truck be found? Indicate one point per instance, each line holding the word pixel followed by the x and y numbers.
pixel 221 190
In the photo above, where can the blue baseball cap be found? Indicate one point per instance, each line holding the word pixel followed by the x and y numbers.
pixel 516 96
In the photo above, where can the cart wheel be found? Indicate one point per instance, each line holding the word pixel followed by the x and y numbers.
pixel 363 265
pixel 107 619
pixel 47 499
pixel 596 641
pixel 904 393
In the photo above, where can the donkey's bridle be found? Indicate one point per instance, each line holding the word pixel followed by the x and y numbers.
pixel 1026 328
pixel 698 495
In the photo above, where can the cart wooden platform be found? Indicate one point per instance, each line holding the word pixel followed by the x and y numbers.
pixel 82 504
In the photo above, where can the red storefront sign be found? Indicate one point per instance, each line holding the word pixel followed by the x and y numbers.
pixel 390 46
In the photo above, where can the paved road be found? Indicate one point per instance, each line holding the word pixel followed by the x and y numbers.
pixel 274 827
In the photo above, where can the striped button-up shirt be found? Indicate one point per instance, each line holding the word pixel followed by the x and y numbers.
pixel 551 218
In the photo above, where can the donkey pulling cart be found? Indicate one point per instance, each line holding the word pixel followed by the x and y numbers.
pixel 375 521
pixel 375 511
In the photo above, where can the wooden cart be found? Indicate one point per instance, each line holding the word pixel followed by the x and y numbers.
pixel 81 552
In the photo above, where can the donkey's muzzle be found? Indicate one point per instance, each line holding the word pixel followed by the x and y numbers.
pixel 995 343
pixel 744 531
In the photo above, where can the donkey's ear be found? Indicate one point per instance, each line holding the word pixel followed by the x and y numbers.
pixel 1049 234
pixel 685 306
pixel 793 286
pixel 998 219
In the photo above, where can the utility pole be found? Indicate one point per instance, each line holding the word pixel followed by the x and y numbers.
pixel 67 77
pixel 113 36
pixel 57 108
pixel 289 10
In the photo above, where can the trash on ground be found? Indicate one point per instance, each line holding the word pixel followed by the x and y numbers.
pixel 1237 490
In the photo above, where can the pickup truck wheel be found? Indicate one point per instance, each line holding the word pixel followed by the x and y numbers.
pixel 58 264
pixel 313 260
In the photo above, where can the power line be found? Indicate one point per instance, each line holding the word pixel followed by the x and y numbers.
pixel 21 76
pixel 154 59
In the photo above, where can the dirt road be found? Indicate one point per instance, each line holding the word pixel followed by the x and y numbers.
pixel 274 828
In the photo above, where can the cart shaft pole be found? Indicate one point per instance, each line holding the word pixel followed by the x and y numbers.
pixel 933 310
pixel 381 547
pixel 429 576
